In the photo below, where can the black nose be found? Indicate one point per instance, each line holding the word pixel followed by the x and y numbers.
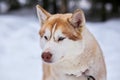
pixel 46 56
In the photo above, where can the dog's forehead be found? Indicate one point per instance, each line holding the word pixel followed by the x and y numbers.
pixel 59 24
pixel 58 21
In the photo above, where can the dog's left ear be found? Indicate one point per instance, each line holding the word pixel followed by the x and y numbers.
pixel 42 14
pixel 78 19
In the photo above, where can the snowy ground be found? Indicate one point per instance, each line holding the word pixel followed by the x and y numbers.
pixel 20 51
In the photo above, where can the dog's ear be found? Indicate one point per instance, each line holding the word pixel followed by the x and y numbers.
pixel 78 19
pixel 42 14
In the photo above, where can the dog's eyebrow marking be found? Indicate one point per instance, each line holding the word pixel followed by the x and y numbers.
pixel 54 27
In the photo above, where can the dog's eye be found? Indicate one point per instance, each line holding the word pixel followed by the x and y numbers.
pixel 45 37
pixel 61 38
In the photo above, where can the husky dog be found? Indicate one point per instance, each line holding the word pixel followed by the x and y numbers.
pixel 70 52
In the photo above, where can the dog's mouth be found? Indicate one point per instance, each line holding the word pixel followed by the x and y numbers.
pixel 47 61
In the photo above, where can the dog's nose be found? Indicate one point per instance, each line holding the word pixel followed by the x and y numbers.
pixel 46 56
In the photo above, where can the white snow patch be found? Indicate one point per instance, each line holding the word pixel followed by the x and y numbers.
pixel 19 48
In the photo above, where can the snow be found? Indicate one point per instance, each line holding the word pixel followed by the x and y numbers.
pixel 20 51
pixel 19 48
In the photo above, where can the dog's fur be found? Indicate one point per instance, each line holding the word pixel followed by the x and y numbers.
pixel 74 56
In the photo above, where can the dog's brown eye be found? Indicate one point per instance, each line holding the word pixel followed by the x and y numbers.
pixel 61 38
pixel 46 37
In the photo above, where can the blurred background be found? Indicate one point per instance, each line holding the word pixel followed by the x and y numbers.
pixel 101 9
pixel 19 40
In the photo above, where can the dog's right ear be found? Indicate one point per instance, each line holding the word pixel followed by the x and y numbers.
pixel 77 19
pixel 42 14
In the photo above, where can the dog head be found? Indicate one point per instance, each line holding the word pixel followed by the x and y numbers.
pixel 60 35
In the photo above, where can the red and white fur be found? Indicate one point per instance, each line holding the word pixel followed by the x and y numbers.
pixel 70 52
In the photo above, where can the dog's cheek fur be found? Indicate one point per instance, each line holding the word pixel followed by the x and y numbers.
pixel 60 50
pixel 74 47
